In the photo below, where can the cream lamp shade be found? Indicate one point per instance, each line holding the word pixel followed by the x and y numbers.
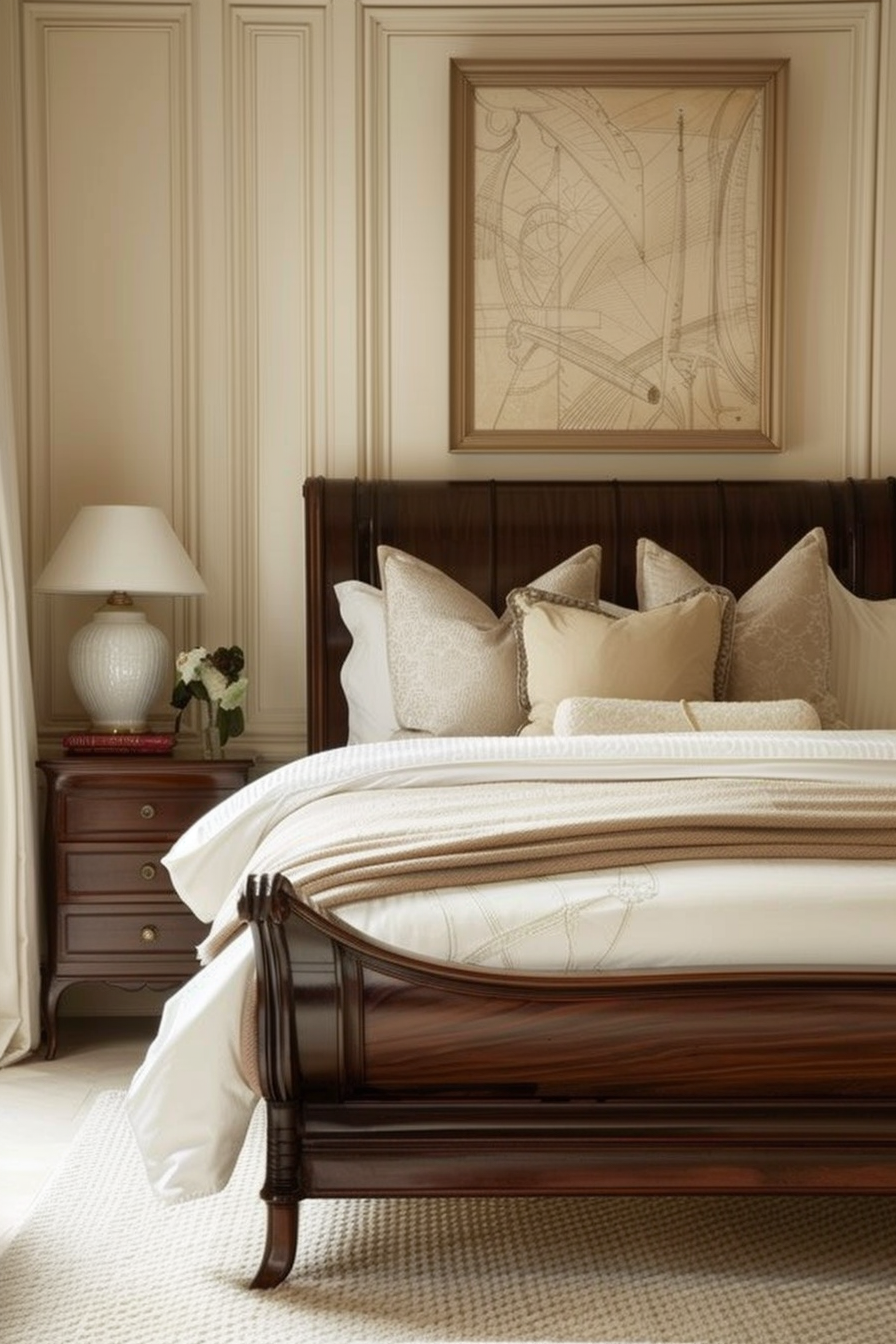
pixel 118 662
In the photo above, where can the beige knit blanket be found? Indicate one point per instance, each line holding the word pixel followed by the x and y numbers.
pixel 366 843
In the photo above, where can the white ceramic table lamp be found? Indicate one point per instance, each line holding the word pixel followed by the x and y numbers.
pixel 118 663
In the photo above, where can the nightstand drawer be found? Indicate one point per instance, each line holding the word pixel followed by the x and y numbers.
pixel 148 812
pixel 145 935
pixel 88 873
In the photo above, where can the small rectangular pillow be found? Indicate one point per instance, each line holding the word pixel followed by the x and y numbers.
pixel 781 647
pixel 581 716
pixel 452 661
pixel 568 648
pixel 863 657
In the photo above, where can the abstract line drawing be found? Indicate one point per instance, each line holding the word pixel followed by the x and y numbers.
pixel 615 258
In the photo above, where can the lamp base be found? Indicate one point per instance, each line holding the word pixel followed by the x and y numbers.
pixel 117 664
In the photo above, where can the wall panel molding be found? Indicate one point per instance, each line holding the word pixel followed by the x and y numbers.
pixel 110 270
pixel 883 385
pixel 280 361
pixel 13 258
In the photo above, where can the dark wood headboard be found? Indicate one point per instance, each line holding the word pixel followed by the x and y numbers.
pixel 492 536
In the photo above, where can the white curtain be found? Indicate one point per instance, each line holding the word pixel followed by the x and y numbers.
pixel 19 956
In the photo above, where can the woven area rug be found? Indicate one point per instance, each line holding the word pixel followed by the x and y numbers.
pixel 100 1260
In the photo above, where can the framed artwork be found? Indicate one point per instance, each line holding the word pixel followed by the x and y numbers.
pixel 616 255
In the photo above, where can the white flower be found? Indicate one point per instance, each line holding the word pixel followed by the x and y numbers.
pixel 214 681
pixel 234 694
pixel 189 664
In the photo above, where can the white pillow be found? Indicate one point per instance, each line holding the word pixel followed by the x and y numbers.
pixel 863 657
pixel 584 716
pixel 452 661
pixel 365 673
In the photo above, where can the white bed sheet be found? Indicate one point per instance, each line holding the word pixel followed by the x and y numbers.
pixel 191 1101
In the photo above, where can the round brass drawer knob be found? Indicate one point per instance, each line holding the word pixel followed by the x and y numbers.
pixel 148 871
pixel 147 811
pixel 149 933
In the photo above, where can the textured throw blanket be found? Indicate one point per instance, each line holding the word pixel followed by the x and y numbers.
pixel 363 844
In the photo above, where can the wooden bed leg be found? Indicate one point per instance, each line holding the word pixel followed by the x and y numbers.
pixel 281 1193
pixel 280 1245
pixel 265 905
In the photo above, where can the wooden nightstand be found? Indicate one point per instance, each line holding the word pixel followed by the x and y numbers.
pixel 112 913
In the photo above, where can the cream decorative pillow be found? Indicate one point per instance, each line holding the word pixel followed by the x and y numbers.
pixel 863 657
pixel 782 629
pixel 614 609
pixel 452 661
pixel 571 648
pixel 581 716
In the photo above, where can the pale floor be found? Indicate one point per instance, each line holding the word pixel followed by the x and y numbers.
pixel 42 1103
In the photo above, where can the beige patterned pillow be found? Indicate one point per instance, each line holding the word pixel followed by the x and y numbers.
pixel 571 648
pixel 581 716
pixel 452 661
pixel 782 629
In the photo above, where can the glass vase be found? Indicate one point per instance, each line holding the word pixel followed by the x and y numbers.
pixel 210 734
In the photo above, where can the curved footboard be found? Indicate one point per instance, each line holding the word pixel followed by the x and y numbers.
pixel 386 1074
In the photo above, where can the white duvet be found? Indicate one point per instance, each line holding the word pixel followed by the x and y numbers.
pixel 191 1101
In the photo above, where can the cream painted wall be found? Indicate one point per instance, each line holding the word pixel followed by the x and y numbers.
pixel 226 231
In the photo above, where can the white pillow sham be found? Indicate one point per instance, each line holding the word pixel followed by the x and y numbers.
pixel 364 674
pixel 863 657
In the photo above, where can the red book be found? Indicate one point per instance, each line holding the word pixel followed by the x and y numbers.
pixel 119 744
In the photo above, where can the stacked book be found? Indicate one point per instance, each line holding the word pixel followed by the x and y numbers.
pixel 119 744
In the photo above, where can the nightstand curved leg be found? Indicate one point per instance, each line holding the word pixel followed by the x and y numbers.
pixel 54 993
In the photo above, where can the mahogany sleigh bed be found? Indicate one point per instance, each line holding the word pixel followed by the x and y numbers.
pixel 386 1074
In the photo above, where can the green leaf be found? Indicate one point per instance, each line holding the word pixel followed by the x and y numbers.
pixel 181 696
pixel 230 724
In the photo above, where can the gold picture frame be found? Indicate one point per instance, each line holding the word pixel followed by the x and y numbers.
pixel 616 255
